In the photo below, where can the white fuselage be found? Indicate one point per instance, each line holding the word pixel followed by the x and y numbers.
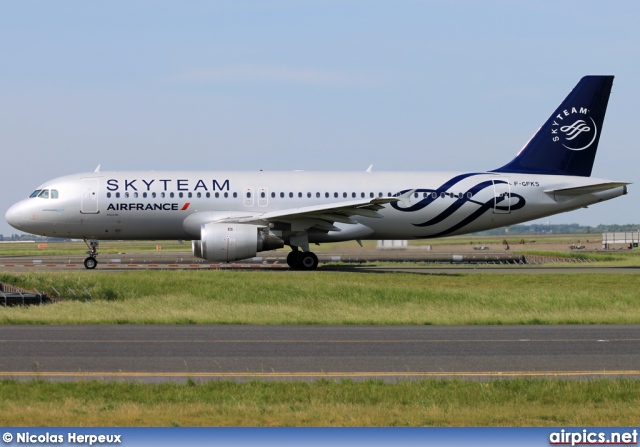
pixel 155 205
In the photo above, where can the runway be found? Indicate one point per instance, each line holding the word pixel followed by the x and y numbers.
pixel 155 262
pixel 175 353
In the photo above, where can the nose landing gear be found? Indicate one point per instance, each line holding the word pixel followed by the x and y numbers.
pixel 91 262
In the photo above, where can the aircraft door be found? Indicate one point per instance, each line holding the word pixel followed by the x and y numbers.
pixel 263 197
pixel 247 195
pixel 501 197
pixel 89 199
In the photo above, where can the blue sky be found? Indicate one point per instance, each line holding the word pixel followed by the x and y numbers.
pixel 313 85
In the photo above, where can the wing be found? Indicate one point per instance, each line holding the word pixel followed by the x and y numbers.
pixel 319 217
pixel 322 217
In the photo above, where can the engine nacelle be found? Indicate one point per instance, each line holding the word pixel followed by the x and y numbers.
pixel 222 242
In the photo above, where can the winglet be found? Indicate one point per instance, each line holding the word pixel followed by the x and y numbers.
pixel 406 197
pixel 370 168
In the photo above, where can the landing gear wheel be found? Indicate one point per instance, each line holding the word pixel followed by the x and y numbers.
pixel 294 259
pixel 91 262
pixel 308 261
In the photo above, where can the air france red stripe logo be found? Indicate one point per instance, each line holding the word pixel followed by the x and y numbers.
pixel 186 205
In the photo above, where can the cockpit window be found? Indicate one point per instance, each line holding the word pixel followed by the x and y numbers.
pixel 35 193
pixel 54 193
pixel 44 194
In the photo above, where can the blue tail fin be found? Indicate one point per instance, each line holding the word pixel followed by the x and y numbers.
pixel 566 144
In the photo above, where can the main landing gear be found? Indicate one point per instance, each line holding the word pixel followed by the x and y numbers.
pixel 91 262
pixel 302 260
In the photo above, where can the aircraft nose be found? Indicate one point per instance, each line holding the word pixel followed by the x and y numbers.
pixel 15 216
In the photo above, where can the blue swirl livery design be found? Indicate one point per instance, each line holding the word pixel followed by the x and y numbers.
pixel 460 209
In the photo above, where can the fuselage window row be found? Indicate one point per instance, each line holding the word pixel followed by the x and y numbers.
pixel 434 195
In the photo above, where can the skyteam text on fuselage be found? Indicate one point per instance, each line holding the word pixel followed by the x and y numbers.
pixel 233 215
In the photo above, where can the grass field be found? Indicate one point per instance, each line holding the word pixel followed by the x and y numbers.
pixel 325 297
pixel 520 402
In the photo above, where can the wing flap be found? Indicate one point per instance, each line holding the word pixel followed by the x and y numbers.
pixel 323 216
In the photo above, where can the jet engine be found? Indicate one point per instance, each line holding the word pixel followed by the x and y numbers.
pixel 223 242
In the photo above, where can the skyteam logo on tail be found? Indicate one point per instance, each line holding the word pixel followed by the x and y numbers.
pixel 574 129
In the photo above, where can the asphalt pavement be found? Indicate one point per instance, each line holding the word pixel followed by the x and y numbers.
pixel 155 353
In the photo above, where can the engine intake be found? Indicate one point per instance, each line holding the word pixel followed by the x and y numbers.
pixel 230 242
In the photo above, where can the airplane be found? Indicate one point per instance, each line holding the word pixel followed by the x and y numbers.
pixel 230 216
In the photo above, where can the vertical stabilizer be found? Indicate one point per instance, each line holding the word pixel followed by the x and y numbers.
pixel 566 143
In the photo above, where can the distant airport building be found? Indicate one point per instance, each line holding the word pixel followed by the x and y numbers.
pixel 629 238
pixel 395 244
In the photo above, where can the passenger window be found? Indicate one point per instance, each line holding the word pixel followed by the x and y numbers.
pixel 300 194
pixel 162 195
pixel 317 195
pixel 180 195
pixel 135 194
pixel 335 195
pixel 108 195
pixel 309 194
pixel 171 195
pixel 273 195
pixel 344 194
pixel 442 195
pixel 144 195
pixel 282 195
pixel 126 195
pixel 54 193
pixel 353 195
pixel 199 195
pixel 326 195
pixel 248 195
pixel 153 194
pixel 371 195
pixel 263 195
pixel 434 195
pixel 208 195
pixel 235 195
pixel 35 193
pixel 189 194
pixel 362 195
pixel 117 195
pixel 44 194
pixel 290 195
pixel 226 194
pixel 217 195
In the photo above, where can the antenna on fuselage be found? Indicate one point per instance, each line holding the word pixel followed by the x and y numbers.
pixel 97 169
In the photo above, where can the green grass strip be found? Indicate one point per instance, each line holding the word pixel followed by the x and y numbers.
pixel 324 297
pixel 519 402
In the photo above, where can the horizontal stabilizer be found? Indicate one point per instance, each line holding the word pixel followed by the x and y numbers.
pixel 587 189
